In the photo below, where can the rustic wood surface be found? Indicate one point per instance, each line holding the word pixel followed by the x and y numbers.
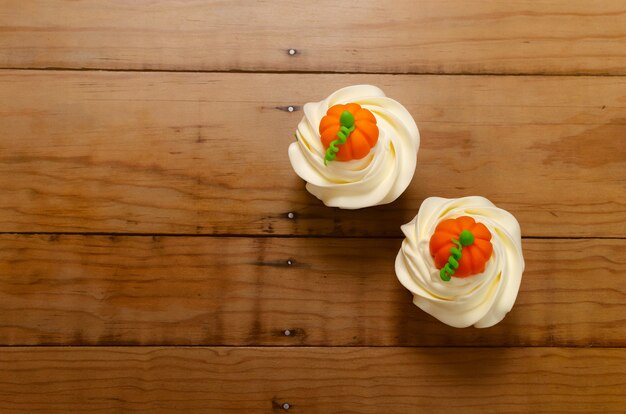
pixel 148 260
pixel 121 290
pixel 206 153
pixel 403 36
pixel 313 380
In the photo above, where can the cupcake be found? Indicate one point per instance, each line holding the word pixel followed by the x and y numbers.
pixel 462 260
pixel 357 148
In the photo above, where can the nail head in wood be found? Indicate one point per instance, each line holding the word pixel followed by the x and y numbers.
pixel 290 108
pixel 290 215
pixel 287 332
pixel 292 52
pixel 286 406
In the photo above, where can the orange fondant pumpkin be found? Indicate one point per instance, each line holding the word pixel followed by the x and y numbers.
pixel 360 141
pixel 474 257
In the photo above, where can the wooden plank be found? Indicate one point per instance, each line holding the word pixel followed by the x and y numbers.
pixel 207 153
pixel 427 36
pixel 312 380
pixel 96 290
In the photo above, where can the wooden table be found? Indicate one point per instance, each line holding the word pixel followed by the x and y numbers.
pixel 159 255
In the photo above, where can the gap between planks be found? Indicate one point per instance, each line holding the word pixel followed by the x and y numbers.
pixel 277 236
pixel 262 346
pixel 318 72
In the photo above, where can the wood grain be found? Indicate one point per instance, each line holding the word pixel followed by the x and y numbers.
pixel 427 36
pixel 207 153
pixel 312 380
pixel 100 290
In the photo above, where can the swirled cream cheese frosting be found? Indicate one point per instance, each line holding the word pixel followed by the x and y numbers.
pixel 357 148
pixel 462 260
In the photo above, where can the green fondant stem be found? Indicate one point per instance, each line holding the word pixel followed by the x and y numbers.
pixel 346 121
pixel 466 238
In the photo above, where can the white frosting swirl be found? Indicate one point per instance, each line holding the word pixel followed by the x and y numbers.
pixel 380 177
pixel 481 300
